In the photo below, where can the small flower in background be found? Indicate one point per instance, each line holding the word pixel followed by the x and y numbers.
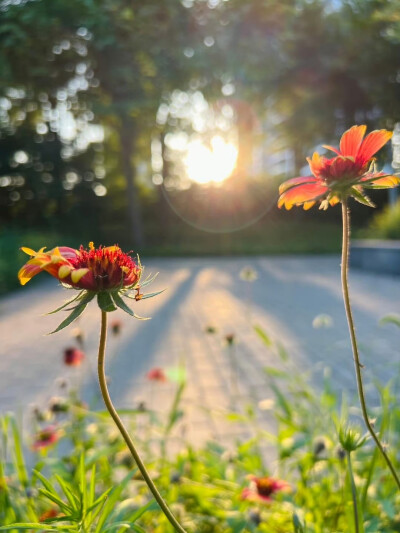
pixel 157 374
pixel 211 329
pixel 175 477
pixel 267 404
pixel 73 356
pixel 255 517
pixel 40 415
pixel 58 405
pixel 78 334
pixel 351 438
pixel 230 339
pixel 115 327
pixel 262 489
pixel 346 174
pixel 124 458
pixel 319 446
pixel 142 407
pixel 248 273
pixel 50 513
pixel 340 453
pixel 322 321
pixel 46 437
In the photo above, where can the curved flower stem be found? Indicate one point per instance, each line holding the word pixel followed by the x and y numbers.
pixel 353 493
pixel 357 364
pixel 123 430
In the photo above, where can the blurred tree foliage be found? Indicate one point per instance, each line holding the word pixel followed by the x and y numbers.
pixel 314 66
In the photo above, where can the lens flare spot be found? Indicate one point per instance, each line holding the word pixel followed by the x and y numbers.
pixel 214 164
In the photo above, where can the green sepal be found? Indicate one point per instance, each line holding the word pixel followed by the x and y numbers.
pixel 361 198
pixel 105 302
pixel 143 296
pixel 66 303
pixel 71 317
pixel 121 304
pixel 85 299
pixel 148 280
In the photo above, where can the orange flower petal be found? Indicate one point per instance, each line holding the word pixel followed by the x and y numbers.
pixel 331 148
pixel 293 182
pixel 351 140
pixel 302 194
pixel 317 163
pixel 372 143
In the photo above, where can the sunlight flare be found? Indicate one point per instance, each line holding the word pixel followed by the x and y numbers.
pixel 215 164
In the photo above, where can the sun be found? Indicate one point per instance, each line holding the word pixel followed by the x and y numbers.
pixel 215 164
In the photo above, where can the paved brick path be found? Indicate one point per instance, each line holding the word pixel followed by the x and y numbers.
pixel 288 295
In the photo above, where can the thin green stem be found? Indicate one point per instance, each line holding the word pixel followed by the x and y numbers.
pixel 353 493
pixel 357 364
pixel 123 430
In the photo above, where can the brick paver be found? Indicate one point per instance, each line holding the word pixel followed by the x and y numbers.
pixel 288 295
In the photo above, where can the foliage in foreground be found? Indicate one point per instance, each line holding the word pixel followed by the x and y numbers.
pixel 88 483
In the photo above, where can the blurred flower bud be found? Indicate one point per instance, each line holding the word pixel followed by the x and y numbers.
pixel 115 327
pixel 77 333
pixel 319 446
pixel 230 339
pixel 73 356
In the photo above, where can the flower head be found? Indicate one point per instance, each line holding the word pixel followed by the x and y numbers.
pixel 73 356
pixel 105 272
pixel 262 489
pixel 156 374
pixel 46 437
pixel 95 269
pixel 347 174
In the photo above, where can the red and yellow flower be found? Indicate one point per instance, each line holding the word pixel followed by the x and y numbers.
pixel 105 272
pixel 92 270
pixel 262 489
pixel 46 437
pixel 347 174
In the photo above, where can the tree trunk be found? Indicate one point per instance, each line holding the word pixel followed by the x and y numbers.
pixel 127 134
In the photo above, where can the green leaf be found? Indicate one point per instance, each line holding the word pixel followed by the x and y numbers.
pixel 105 302
pixel 263 336
pixel 28 526
pixel 390 319
pixel 19 455
pixel 70 318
